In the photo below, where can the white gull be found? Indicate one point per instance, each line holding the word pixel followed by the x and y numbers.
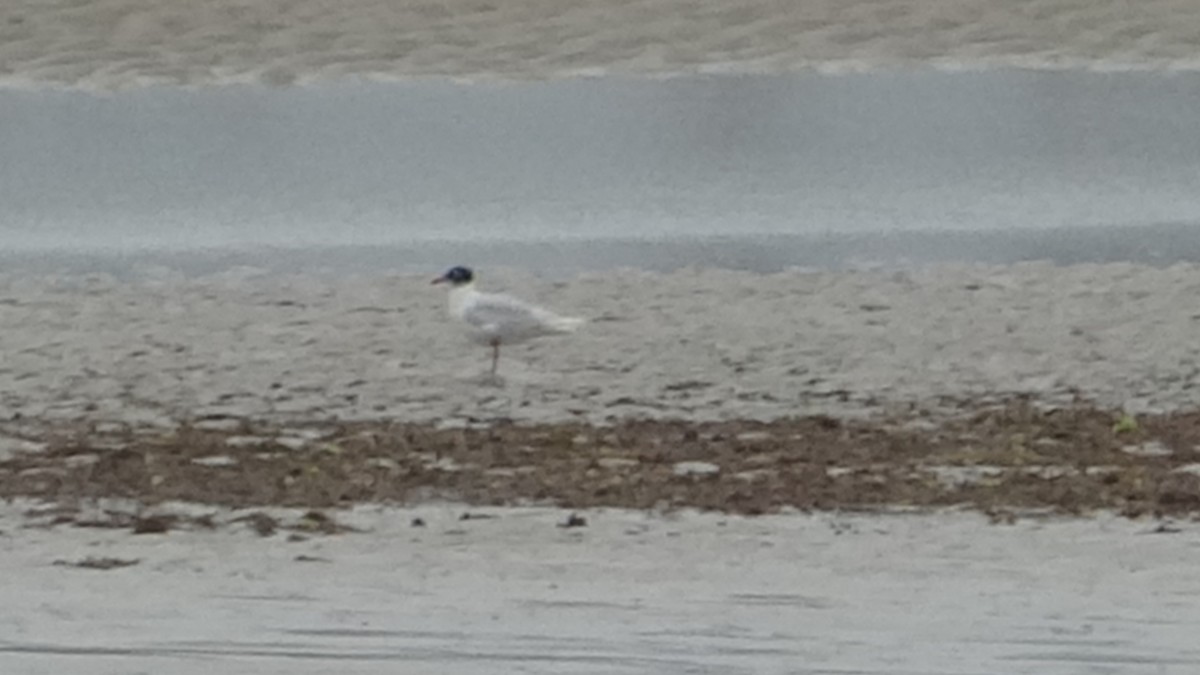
pixel 496 319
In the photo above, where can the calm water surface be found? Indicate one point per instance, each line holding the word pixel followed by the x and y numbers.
pixel 743 171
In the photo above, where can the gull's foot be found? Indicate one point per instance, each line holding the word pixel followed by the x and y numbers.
pixel 492 380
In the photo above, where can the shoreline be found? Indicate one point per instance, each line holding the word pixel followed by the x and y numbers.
pixel 564 258
pixel 102 87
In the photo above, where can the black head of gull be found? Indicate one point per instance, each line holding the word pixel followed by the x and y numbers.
pixel 456 276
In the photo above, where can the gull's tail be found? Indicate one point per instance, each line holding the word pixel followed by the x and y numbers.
pixel 564 324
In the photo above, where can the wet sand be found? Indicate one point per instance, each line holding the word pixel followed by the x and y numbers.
pixel 512 590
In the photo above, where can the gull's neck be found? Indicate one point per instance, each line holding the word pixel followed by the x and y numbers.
pixel 459 295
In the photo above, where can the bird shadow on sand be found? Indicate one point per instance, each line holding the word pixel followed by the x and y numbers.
pixel 510 374
pixel 488 379
pixel 495 380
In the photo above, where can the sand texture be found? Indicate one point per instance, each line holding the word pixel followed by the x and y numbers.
pixel 160 349
pixel 117 43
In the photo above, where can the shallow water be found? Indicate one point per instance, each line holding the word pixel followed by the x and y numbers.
pixel 630 593
pixel 1073 165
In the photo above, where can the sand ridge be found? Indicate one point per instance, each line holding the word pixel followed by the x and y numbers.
pixel 109 44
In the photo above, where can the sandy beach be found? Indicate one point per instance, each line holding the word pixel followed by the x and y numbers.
pixel 156 426
pixel 824 385
pixel 112 44
pixel 164 349
pixel 841 470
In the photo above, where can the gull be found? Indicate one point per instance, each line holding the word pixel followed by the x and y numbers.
pixel 496 319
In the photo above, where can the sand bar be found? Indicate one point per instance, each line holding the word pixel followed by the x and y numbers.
pixel 109 44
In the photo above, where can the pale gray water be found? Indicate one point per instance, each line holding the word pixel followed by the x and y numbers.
pixel 754 172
